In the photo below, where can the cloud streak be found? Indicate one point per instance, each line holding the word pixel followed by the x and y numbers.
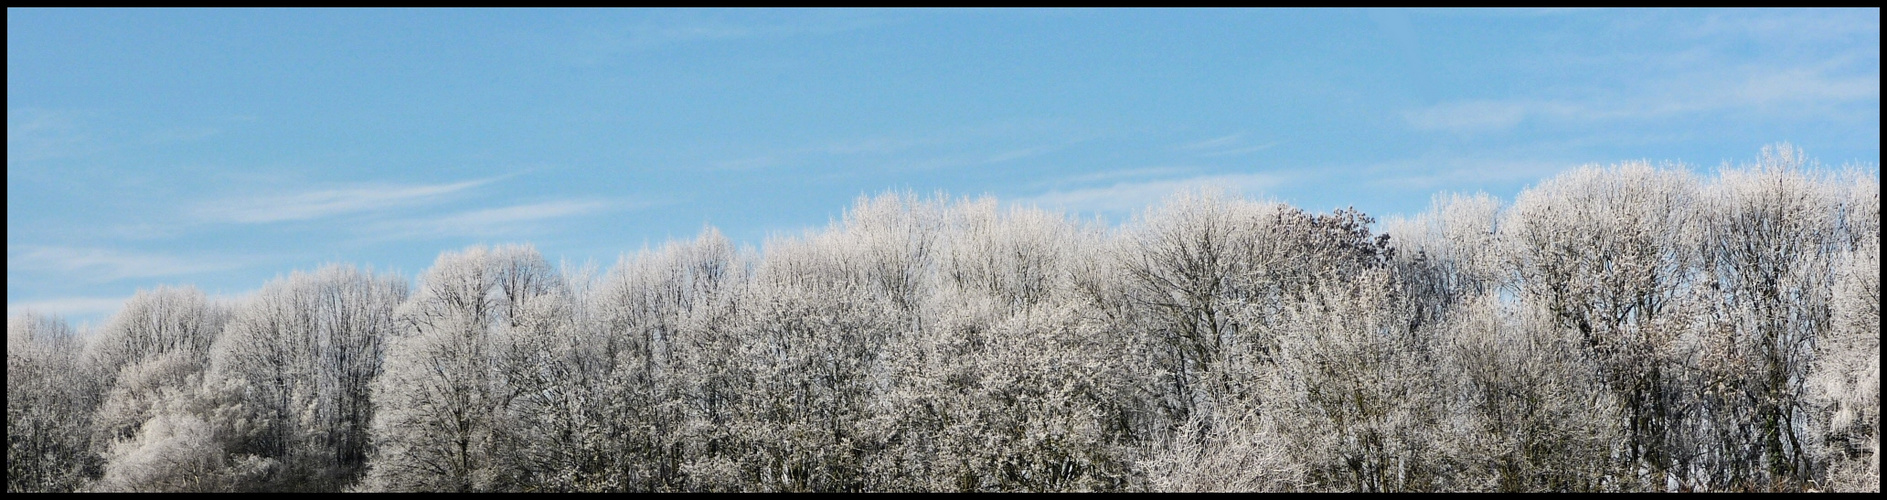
pixel 70 308
pixel 496 221
pixel 1438 173
pixel 1230 145
pixel 521 213
pixel 959 147
pixel 104 265
pixel 37 134
pixel 1473 116
pixel 327 203
pixel 599 46
pixel 1129 197
pixel 1832 82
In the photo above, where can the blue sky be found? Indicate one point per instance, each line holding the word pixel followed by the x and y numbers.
pixel 223 148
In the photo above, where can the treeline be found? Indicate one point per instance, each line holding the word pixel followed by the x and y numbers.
pixel 1628 328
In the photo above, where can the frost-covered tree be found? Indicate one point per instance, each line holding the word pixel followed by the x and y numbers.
pixel 809 350
pixel 1846 378
pixel 178 450
pixel 1011 384
pixel 1622 328
pixel 660 320
pixel 1845 381
pixel 1355 395
pixel 1449 254
pixel 1197 267
pixel 155 322
pixel 1243 273
pixel 1768 254
pixel 50 399
pixel 1608 253
pixel 809 347
pixel 293 371
pixel 1532 413
pixel 154 352
pixel 444 415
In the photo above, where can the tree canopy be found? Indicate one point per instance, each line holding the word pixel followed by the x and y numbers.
pixel 1622 328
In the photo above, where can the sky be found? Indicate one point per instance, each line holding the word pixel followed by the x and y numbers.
pixel 225 148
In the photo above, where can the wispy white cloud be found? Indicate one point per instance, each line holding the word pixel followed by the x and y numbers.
pixel 1229 145
pixel 958 147
pixel 1803 84
pixel 39 134
pixel 1243 150
pixel 522 213
pixel 596 46
pixel 937 160
pixel 863 147
pixel 1470 116
pixel 749 163
pixel 1763 89
pixel 1436 173
pixel 1785 26
pixel 71 308
pixel 1803 63
pixel 501 221
pixel 1128 197
pixel 87 310
pixel 1215 143
pixel 881 145
pixel 1017 154
pixel 104 265
pixel 1119 175
pixel 327 202
pixel 180 134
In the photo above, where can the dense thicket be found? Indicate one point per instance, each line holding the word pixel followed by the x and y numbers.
pixel 1626 328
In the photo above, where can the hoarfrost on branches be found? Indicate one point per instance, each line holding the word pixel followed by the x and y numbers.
pixel 1631 327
